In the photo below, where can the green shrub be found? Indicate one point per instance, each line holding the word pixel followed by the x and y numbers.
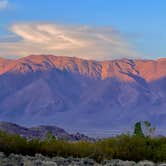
pixel 125 147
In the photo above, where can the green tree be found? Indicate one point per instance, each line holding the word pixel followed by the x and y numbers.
pixel 138 130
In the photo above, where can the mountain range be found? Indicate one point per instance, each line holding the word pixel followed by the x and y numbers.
pixel 93 97
pixel 41 132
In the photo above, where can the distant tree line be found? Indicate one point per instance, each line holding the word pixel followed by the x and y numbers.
pixel 126 147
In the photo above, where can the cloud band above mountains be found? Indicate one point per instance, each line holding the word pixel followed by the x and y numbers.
pixel 81 41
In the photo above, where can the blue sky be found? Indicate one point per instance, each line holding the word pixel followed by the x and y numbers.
pixel 138 26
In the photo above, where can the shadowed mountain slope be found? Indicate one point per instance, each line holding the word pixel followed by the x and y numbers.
pixel 83 95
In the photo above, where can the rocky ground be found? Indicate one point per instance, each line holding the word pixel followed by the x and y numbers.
pixel 39 160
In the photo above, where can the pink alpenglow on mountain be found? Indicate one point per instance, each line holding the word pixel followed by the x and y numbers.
pixel 96 97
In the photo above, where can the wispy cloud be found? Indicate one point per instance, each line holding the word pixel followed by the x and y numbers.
pixel 3 4
pixel 81 41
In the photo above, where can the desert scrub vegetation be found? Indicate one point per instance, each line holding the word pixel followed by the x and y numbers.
pixel 124 147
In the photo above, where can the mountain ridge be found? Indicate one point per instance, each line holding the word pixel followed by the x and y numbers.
pixel 41 132
pixel 75 57
pixel 82 94
pixel 98 69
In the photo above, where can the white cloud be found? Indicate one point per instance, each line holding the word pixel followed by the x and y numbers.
pixel 3 4
pixel 81 41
